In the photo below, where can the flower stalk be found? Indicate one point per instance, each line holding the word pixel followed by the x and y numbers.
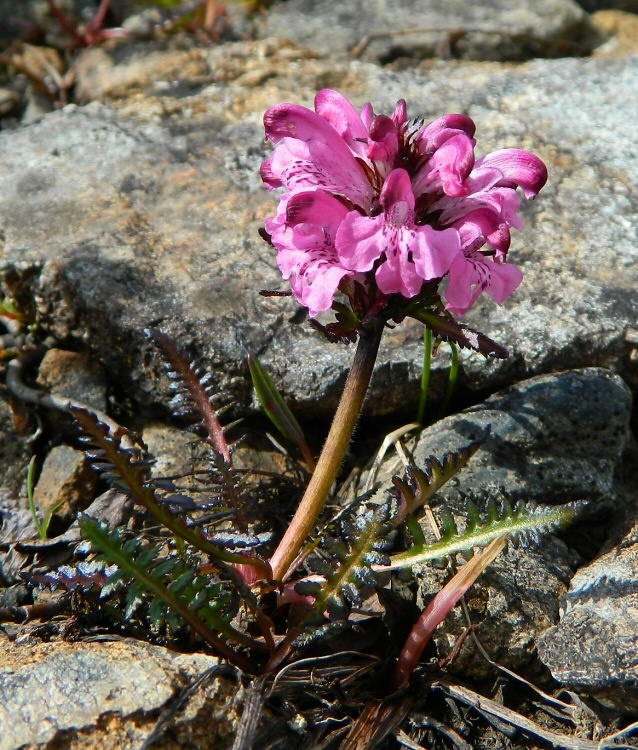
pixel 332 454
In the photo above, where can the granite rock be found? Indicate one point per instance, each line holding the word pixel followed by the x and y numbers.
pixel 110 695
pixel 115 218
pixel 66 483
pixel 554 439
pixel 594 646
pixel 501 30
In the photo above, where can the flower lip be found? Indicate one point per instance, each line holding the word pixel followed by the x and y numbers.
pixel 311 154
pixel 519 169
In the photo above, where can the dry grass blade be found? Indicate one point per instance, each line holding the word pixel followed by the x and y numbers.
pixel 377 720
pixel 490 709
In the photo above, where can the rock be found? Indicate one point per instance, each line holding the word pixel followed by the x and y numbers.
pixel 133 69
pixel 15 452
pixel 174 450
pixel 66 483
pixel 158 216
pixel 110 695
pixel 73 375
pixel 621 30
pixel 554 439
pixel 17 524
pixel 594 647
pixel 408 29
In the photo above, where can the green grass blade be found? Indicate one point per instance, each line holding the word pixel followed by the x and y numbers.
pixel 276 408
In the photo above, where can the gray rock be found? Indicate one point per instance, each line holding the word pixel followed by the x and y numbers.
pixel 17 524
pixel 554 439
pixel 501 30
pixel 15 452
pixel 73 375
pixel 112 690
pixel 112 223
pixel 594 647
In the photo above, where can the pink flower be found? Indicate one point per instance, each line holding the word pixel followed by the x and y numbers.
pixel 391 204
pixel 304 233
pixel 409 254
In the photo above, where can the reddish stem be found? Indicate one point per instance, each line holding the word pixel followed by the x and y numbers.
pixel 332 454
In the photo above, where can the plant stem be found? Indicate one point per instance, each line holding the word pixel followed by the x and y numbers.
pixel 332 454
pixel 452 379
pixel 425 377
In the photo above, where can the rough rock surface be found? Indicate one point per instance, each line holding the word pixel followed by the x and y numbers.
pixel 594 647
pixel 15 452
pixel 56 692
pixel 140 205
pixel 501 30
pixel 73 375
pixel 114 222
pixel 66 483
pixel 554 439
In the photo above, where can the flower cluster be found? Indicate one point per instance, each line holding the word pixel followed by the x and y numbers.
pixel 391 204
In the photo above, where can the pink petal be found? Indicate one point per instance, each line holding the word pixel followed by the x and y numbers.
pixel 471 274
pixel 341 115
pixel 448 168
pixel 310 153
pixel 505 279
pixel 397 274
pixel 315 207
pixel 360 241
pixel 383 144
pixel 316 290
pixel 303 234
pixel 434 135
pixel 400 114
pixel 462 290
pixel 503 203
pixel 435 251
pixel 481 226
pixel 367 115
pixel 397 198
pixel 519 169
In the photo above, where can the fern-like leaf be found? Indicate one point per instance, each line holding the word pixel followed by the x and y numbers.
pixel 343 559
pixel 194 391
pixel 421 484
pixel 85 576
pixel 129 470
pixel 180 595
pixel 523 524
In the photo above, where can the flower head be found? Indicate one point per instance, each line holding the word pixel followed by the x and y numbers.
pixel 389 207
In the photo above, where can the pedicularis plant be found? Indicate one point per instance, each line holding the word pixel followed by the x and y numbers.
pixel 379 218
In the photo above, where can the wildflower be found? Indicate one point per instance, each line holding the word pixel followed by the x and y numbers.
pixel 390 206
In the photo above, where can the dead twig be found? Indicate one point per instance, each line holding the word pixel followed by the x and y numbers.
pixel 492 710
pixel 50 401
pixel 458 32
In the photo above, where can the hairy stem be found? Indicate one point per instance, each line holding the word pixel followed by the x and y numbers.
pixel 332 454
